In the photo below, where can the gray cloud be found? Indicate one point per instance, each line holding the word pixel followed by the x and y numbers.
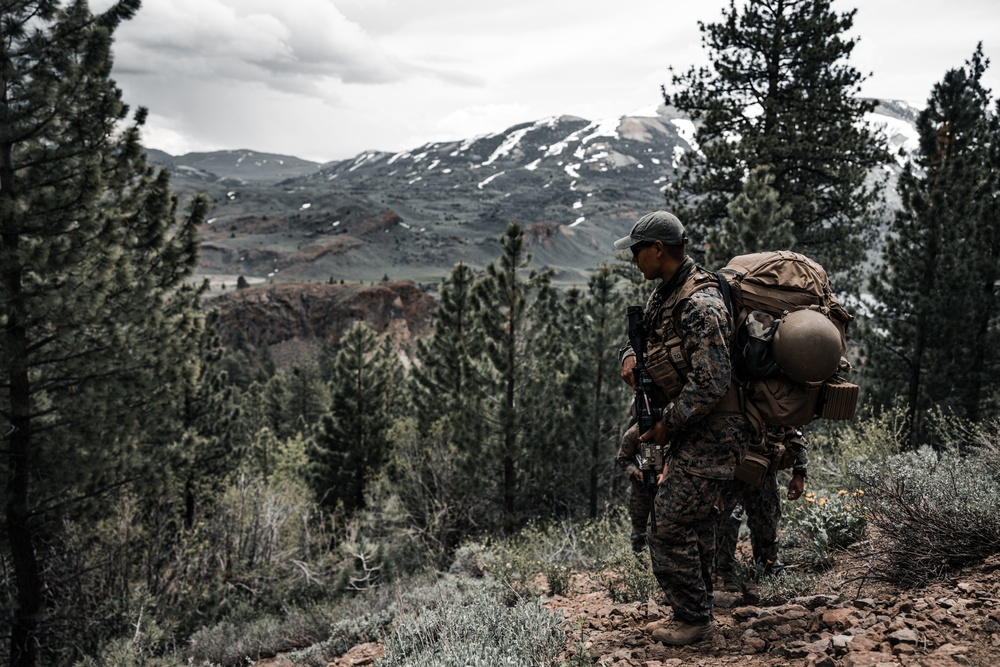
pixel 327 79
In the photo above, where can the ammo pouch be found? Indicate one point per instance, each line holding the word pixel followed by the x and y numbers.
pixel 668 366
pixel 838 399
pixel 786 458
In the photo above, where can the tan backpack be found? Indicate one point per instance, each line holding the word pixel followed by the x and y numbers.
pixel 764 290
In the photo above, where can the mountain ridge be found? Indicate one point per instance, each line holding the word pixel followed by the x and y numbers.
pixel 574 184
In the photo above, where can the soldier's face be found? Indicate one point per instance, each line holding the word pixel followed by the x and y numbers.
pixel 644 255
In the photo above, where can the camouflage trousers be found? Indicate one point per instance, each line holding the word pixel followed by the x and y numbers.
pixel 762 507
pixel 682 548
pixel 637 503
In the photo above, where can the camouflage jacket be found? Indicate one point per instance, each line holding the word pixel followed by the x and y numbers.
pixel 708 432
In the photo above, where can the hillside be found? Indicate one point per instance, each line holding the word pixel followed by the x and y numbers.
pixel 952 623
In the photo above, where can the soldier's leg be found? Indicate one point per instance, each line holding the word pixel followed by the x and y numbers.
pixel 637 498
pixel 682 548
pixel 763 506
pixel 728 530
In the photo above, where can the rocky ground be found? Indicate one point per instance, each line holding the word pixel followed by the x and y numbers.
pixel 950 623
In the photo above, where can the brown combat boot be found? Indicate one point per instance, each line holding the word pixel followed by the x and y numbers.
pixel 679 634
pixel 657 625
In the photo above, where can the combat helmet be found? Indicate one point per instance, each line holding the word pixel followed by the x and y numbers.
pixel 807 346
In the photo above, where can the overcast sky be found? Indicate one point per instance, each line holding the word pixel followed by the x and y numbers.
pixel 328 79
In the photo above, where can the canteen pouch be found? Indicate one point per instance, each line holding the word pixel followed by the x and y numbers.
pixel 752 468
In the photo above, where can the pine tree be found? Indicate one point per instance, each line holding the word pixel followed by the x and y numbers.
pixel 306 400
pixel 779 92
pixel 99 331
pixel 597 393
pixel 445 379
pixel 933 326
pixel 351 440
pixel 436 458
pixel 755 221
pixel 209 450
pixel 505 299
pixel 552 467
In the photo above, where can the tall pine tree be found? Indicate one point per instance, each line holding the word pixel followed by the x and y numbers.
pixel 779 92
pixel 446 379
pixel 507 295
pixel 932 332
pixel 596 393
pixel 351 439
pixel 99 331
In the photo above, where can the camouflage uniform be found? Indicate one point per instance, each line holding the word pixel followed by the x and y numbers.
pixel 762 507
pixel 708 434
pixel 636 496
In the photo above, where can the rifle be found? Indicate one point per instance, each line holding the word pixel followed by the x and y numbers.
pixel 649 458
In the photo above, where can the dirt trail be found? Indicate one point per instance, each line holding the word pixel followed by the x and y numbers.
pixel 948 624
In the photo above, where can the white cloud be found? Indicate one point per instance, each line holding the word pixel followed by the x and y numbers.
pixel 287 45
pixel 328 79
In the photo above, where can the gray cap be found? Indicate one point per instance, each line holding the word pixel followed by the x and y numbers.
pixel 655 226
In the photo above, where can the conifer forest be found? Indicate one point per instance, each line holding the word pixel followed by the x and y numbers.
pixel 168 499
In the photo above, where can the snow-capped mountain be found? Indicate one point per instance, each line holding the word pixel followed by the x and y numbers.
pixel 574 185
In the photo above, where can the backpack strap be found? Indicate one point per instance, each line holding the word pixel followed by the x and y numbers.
pixel 727 293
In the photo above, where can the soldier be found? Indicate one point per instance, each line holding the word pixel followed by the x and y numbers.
pixel 687 353
pixel 636 496
pixel 762 507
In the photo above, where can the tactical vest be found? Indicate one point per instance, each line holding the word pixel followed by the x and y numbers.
pixel 665 356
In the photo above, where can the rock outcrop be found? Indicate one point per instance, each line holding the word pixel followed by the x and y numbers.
pixel 320 313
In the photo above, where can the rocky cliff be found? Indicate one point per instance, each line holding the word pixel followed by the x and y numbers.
pixel 313 313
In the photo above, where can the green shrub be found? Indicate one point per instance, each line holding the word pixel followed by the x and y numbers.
pixel 578 654
pixel 461 622
pixel 552 550
pixel 628 577
pixel 834 447
pixel 816 526
pixel 346 633
pixel 324 630
pixel 777 589
pixel 935 512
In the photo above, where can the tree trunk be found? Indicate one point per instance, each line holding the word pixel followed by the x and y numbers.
pixel 28 582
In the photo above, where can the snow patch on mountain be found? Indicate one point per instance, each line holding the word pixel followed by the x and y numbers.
pixel 508 144
pixel 900 134
pixel 486 182
pixel 685 130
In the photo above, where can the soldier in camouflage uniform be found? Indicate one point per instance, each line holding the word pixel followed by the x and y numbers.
pixel 636 496
pixel 687 353
pixel 762 507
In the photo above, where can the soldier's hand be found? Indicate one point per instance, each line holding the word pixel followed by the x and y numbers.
pixel 663 475
pixel 628 365
pixel 796 487
pixel 657 434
